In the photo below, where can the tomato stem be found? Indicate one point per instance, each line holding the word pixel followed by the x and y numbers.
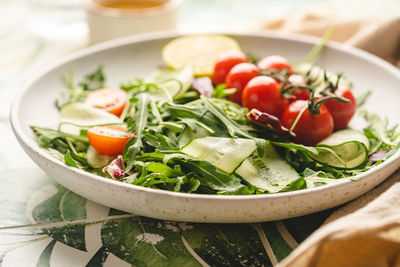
pixel 281 75
pixel 320 47
pixel 315 106
pixel 293 86
pixel 298 118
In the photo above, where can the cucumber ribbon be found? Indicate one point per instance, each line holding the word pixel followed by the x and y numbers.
pixel 350 149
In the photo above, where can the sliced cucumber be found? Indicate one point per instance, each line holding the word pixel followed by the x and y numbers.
pixel 271 172
pixel 225 153
pixel 315 181
pixel 75 116
pixel 350 145
pixel 188 135
pixel 172 82
pixel 97 160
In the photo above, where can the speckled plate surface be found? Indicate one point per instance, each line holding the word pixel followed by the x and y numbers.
pixel 136 57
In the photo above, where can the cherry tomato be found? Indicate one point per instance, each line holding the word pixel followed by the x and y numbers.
pixel 310 129
pixel 274 62
pixel 225 62
pixel 342 112
pixel 109 140
pixel 238 77
pixel 298 93
pixel 111 100
pixel 263 93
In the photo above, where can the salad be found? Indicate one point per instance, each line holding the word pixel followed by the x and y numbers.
pixel 218 121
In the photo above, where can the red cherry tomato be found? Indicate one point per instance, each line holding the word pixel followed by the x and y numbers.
pixel 263 93
pixel 342 112
pixel 298 93
pixel 111 100
pixel 310 129
pixel 274 62
pixel 225 62
pixel 238 77
pixel 109 140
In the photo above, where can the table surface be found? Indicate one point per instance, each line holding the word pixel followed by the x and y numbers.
pixel 44 224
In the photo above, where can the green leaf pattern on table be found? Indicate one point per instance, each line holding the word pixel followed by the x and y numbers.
pixel 62 217
pixel 146 242
pixel 64 206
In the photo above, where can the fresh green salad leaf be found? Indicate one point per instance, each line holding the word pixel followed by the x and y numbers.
pixel 137 124
pixel 208 175
pixel 378 128
pixel 74 147
pixel 77 93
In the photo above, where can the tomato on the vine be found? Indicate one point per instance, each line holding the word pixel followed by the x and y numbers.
pixel 238 77
pixel 263 93
pixel 298 93
pixel 275 62
pixel 225 62
pixel 109 140
pixel 342 112
pixel 111 100
pixel 310 128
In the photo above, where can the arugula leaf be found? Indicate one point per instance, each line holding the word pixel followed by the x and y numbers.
pixel 222 92
pixel 94 80
pixel 232 127
pixel 296 185
pixel 137 125
pixel 210 176
pixel 46 136
pixel 361 99
pixel 69 160
pixel 378 128
pixel 298 147
pixel 77 93
pixel 161 168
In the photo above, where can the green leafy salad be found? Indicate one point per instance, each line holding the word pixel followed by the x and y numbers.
pixel 225 124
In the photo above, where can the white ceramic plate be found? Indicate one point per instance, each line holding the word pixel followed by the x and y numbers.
pixel 136 57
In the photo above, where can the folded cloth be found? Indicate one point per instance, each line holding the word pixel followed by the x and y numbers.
pixel 365 232
pixel 379 37
pixel 367 236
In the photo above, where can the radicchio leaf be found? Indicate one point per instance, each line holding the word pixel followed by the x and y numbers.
pixel 377 156
pixel 116 168
pixel 203 86
pixel 268 119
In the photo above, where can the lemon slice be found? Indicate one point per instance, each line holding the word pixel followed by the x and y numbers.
pixel 200 51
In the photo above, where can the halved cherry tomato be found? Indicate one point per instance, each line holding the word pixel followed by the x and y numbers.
pixel 310 128
pixel 111 100
pixel 342 112
pixel 263 93
pixel 274 62
pixel 109 140
pixel 238 77
pixel 298 93
pixel 225 62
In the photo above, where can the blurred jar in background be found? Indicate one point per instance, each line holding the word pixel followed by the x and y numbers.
pixel 109 19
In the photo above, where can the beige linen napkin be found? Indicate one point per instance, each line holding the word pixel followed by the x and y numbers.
pixel 381 38
pixel 365 232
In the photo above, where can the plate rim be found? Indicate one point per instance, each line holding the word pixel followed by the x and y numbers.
pixel 30 144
